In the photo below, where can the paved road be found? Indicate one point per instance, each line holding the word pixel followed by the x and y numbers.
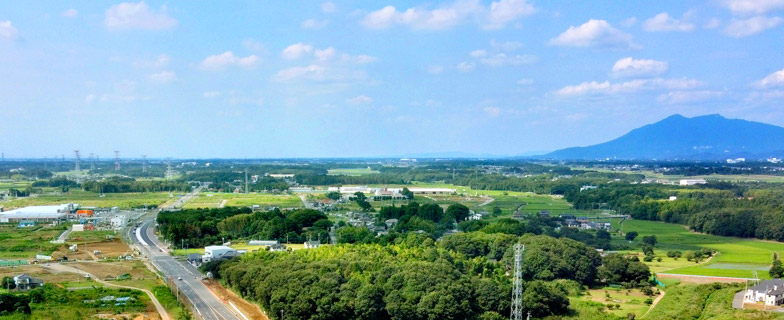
pixel 182 274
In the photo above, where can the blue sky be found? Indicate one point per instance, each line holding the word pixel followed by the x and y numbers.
pixel 370 78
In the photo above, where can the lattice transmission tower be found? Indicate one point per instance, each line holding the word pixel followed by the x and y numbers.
pixel 517 286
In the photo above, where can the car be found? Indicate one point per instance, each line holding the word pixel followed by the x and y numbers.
pixel 179 278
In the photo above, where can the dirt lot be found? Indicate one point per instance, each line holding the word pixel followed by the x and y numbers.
pixel 38 271
pixel 106 270
pixel 110 249
pixel 252 311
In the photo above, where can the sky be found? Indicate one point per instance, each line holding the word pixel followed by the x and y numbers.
pixel 279 79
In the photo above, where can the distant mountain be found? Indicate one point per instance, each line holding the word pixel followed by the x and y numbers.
pixel 710 137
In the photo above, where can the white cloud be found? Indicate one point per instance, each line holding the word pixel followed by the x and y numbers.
pixel 310 72
pixel 775 79
pixel 435 69
pixel 606 87
pixel 226 59
pixel 163 77
pixel 465 66
pixel 90 98
pixel 753 6
pixel 160 61
pixel 505 11
pixel 502 59
pixel 595 33
pixel 253 45
pixel 361 59
pixel 358 100
pixel 296 51
pixel 128 15
pixel 70 13
pixel 679 97
pixel 629 67
pixel 663 22
pixel 478 53
pixel 328 7
pixel 506 46
pixel 496 16
pixel 7 30
pixel 313 24
pixel 325 54
pixel 525 82
pixel 713 23
pixel 492 111
pixel 750 26
pixel 211 94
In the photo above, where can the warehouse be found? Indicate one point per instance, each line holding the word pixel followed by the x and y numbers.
pixel 37 214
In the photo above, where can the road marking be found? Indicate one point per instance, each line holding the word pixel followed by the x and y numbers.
pixel 238 310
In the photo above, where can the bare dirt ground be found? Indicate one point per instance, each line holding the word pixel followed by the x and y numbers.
pixel 251 310
pixel 104 270
pixel 110 249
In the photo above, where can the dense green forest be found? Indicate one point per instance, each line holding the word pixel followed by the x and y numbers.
pixel 201 227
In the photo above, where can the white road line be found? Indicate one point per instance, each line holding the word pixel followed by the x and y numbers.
pixel 139 237
pixel 238 310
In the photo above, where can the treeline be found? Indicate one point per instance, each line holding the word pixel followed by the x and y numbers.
pixel 56 182
pixel 121 185
pixel 738 210
pixel 201 227
pixel 324 179
pixel 227 180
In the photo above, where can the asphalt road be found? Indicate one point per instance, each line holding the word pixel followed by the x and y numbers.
pixel 183 275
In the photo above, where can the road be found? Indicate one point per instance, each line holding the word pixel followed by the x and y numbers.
pixel 206 304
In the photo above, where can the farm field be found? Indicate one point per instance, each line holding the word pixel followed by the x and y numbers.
pixel 92 199
pixel 351 172
pixel 722 177
pixel 737 257
pixel 214 200
pixel 706 301
pixel 630 301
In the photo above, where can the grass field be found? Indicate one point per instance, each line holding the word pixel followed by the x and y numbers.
pixel 25 243
pixel 238 246
pixel 214 200
pixel 707 301
pixel 351 172
pixel 631 301
pixel 737 257
pixel 92 199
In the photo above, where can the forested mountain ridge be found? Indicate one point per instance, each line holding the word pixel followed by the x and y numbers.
pixel 709 137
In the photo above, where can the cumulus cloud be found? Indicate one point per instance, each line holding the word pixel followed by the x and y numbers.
pixel 312 71
pixel 296 51
pixel 663 22
pixel 163 77
pixel 7 30
pixel 227 59
pixel 775 79
pixel 497 16
pixel 465 66
pixel 502 60
pixel 636 85
pixel 713 23
pixel 739 28
pixel 753 6
pixel 160 61
pixel 478 53
pixel 70 13
pixel 313 24
pixel 506 46
pixel 328 7
pixel 324 54
pixel 679 97
pixel 630 67
pixel 359 100
pixel 595 33
pixel 629 22
pixel 128 15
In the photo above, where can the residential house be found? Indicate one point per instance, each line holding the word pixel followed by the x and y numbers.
pixel 312 244
pixel 769 292
pixel 25 282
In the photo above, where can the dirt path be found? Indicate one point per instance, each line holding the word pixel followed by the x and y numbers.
pixel 488 201
pixel 655 301
pixel 223 203
pixel 62 268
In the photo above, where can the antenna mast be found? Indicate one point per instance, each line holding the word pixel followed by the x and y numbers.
pixel 92 162
pixel 169 171
pixel 517 286
pixel 116 160
pixel 76 167
pixel 144 163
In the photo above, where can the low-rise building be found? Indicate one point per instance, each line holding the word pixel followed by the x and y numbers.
pixel 194 259
pixel 312 244
pixel 25 282
pixel 692 182
pixel 769 292
pixel 218 252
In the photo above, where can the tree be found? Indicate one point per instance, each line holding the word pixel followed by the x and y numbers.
pixel 602 235
pixel 458 212
pixel 496 211
pixel 359 196
pixel 334 195
pixel 407 193
pixel 776 271
pixel 675 254
pixel 649 240
pixel 631 235
pixel 8 283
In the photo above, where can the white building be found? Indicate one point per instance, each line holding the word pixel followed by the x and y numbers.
pixel 263 242
pixel 691 182
pixel 217 252
pixel 312 244
pixel 118 221
pixel 37 213
pixel 769 292
pixel 431 190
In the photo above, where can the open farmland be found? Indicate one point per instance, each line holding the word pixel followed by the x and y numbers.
pixel 351 172
pixel 215 199
pixel 92 199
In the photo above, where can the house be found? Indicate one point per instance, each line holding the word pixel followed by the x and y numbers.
pixel 769 292
pixel 218 252
pixel 691 182
pixel 568 217
pixel 277 247
pixel 194 259
pixel 25 282
pixel 544 213
pixel 571 223
pixel 263 242
pixel 391 223
pixel 312 244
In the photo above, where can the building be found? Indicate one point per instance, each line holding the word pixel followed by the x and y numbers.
pixel 194 259
pixel 312 244
pixel 391 223
pixel 37 213
pixel 691 182
pixel 584 188
pixel 25 282
pixel 277 247
pixel 431 190
pixel 26 223
pixel 218 252
pixel 769 292
pixel 118 221
pixel 263 242
pixel 77 227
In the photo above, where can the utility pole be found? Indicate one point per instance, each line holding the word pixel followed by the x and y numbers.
pixel 92 162
pixel 246 180
pixel 144 163
pixel 76 154
pixel 116 160
pixel 517 284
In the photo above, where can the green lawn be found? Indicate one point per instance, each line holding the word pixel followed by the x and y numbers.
pixel 25 243
pixel 92 199
pixel 214 199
